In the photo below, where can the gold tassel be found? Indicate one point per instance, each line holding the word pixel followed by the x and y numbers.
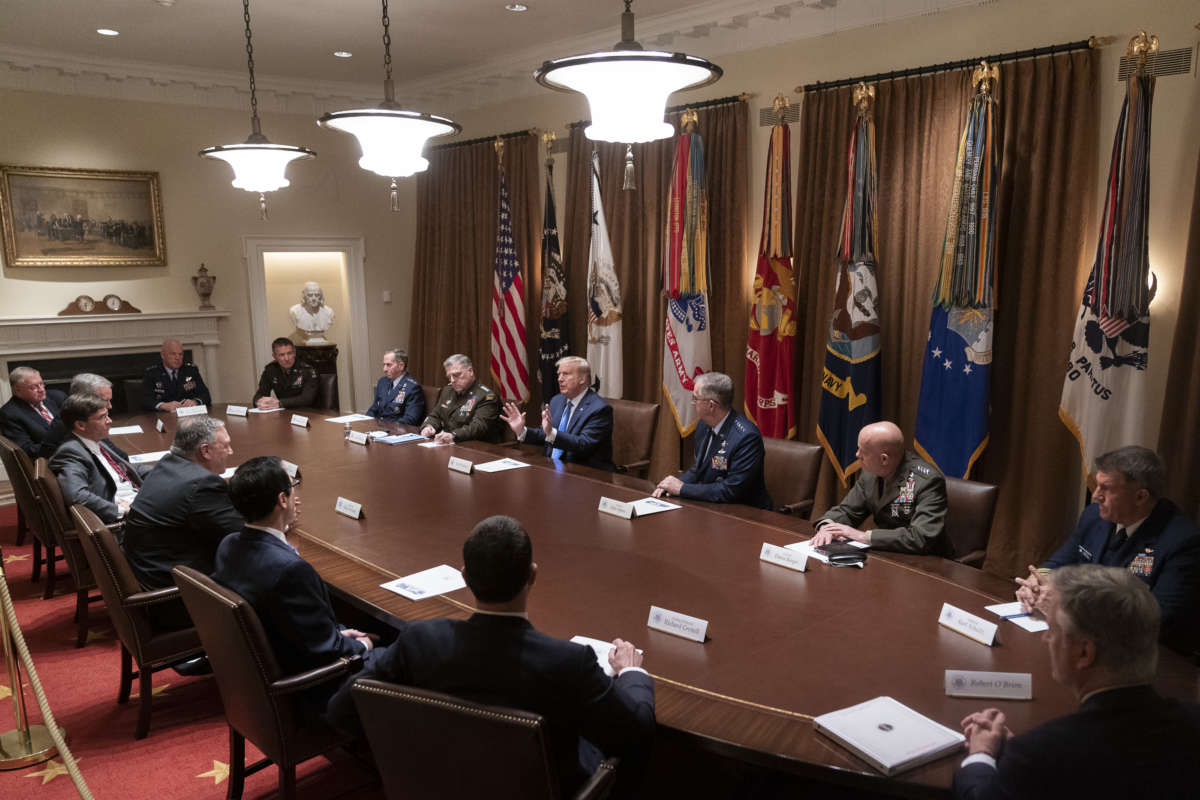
pixel 395 196
pixel 262 206
pixel 630 184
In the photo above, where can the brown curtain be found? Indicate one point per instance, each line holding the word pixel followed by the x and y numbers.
pixel 457 206
pixel 1045 200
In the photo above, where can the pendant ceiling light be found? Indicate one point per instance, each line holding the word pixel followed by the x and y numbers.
pixel 258 165
pixel 627 88
pixel 391 137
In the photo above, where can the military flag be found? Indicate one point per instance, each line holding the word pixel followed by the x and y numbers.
pixel 604 301
pixel 850 386
pixel 952 417
pixel 509 369
pixel 555 339
pixel 772 338
pixel 1104 393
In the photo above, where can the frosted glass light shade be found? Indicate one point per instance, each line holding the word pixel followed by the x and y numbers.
pixel 258 167
pixel 391 139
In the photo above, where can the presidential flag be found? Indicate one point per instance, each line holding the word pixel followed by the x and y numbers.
pixel 952 417
pixel 509 369
pixel 850 386
pixel 554 336
pixel 686 349
pixel 604 301
pixel 772 338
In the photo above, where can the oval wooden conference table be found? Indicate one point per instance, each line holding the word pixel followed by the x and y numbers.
pixel 782 647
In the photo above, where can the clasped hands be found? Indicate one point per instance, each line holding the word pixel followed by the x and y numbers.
pixel 1031 591
pixel 368 640
pixel 623 655
pixel 986 731
pixel 174 404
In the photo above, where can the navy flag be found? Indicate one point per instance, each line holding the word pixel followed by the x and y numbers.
pixel 555 337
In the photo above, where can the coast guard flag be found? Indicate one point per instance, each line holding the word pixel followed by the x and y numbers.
pixel 952 418
pixel 772 338
pixel 1104 394
pixel 686 349
pixel 604 301
pixel 555 338
pixel 509 370
pixel 850 386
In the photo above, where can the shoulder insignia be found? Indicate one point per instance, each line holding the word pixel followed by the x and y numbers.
pixel 924 470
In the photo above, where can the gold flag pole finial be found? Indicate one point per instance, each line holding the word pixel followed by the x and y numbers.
pixel 864 96
pixel 1140 46
pixel 780 105
pixel 548 139
pixel 985 76
pixel 687 120
pixel 499 145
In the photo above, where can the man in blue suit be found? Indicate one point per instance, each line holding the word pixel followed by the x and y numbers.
pixel 577 425
pixel 27 417
pixel 398 396
pixel 729 451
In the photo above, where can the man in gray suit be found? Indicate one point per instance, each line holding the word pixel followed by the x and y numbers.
pixel 93 471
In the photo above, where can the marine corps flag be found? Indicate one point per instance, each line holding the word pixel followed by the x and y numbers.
pixel 555 336
pixel 1103 399
pixel 604 301
pixel 952 418
pixel 509 370
pixel 686 348
pixel 850 385
pixel 772 336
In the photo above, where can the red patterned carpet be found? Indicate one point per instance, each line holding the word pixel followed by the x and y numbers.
pixel 185 755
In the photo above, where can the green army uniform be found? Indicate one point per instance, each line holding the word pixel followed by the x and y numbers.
pixel 474 414
pixel 294 388
pixel 909 508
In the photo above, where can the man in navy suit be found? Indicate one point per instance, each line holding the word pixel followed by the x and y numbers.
pixel 1124 741
pixel 398 396
pixel 1130 524
pixel 496 657
pixel 729 451
pixel 577 425
pixel 93 471
pixel 172 383
pixel 27 417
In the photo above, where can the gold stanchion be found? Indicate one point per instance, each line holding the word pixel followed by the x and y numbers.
pixel 26 744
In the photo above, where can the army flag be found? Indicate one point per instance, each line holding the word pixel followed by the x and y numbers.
pixel 554 337
pixel 850 385
pixel 1104 393
pixel 604 301
pixel 772 338
pixel 687 352
pixel 952 416
pixel 509 369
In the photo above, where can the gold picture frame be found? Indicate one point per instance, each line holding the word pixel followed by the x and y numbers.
pixel 64 217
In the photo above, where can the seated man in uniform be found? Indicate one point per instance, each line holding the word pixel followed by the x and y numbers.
pixel 287 382
pixel 904 493
pixel 93 471
pixel 465 409
pixel 398 396
pixel 1125 740
pixel 1130 524
pixel 168 385
pixel 497 657
pixel 584 419
pixel 29 414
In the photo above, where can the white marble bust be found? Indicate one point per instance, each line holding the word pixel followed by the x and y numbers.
pixel 311 316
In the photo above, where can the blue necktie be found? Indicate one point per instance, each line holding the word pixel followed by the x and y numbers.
pixel 562 426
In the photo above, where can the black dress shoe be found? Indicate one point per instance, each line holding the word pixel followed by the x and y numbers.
pixel 193 667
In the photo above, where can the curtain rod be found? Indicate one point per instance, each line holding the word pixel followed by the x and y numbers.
pixel 720 101
pixel 1068 47
pixel 469 142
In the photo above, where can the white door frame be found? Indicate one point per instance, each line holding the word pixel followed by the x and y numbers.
pixel 351 247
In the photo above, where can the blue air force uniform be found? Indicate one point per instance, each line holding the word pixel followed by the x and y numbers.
pixel 159 387
pixel 403 401
pixel 729 464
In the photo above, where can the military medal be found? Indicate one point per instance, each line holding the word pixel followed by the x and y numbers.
pixel 1142 564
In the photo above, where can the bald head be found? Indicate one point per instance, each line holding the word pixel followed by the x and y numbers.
pixel 172 354
pixel 881 448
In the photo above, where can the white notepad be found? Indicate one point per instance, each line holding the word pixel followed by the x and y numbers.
pixel 500 465
pixel 349 418
pixel 889 735
pixel 146 458
pixel 124 431
pixel 427 583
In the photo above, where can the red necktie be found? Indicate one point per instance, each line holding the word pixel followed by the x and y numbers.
pixel 46 415
pixel 112 462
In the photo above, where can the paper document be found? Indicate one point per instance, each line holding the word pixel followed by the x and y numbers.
pixel 500 465
pixel 803 547
pixel 601 649
pixel 430 582
pixel 378 434
pixel 400 438
pixel 265 410
pixel 125 430
pixel 1013 613
pixel 349 418
pixel 889 735
pixel 652 505
pixel 227 474
pixel 434 444
pixel 146 458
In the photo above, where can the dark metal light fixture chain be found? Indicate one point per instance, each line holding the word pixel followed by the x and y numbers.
pixel 387 42
pixel 250 60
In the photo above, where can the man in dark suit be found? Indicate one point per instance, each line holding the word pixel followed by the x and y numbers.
pixel 496 657
pixel 1124 741
pixel 83 383
pixel 1130 524
pixel 398 396
pixel 27 417
pixel 93 471
pixel 729 451
pixel 168 385
pixel 577 425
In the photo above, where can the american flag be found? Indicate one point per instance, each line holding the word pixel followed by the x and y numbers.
pixel 508 311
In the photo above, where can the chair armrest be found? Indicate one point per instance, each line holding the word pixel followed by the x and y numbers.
pixel 152 597
pixel 801 509
pixel 632 465
pixel 315 677
pixel 973 559
pixel 600 783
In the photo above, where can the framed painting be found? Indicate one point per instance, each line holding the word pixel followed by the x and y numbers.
pixel 60 217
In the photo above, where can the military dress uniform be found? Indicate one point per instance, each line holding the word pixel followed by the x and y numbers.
pixel 403 401
pixel 909 508
pixel 294 388
pixel 471 414
pixel 159 387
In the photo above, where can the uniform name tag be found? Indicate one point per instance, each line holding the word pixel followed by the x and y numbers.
pixel 792 559
pixel 1005 685
pixel 968 625
pixel 349 508
pixel 236 411
pixel 358 437
pixel 677 624
pixel 300 420
pixel 158 425
pixel 616 508
pixel 190 411
pixel 460 465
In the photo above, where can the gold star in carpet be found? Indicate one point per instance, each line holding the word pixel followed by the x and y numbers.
pixel 16 557
pixel 154 692
pixel 93 635
pixel 51 771
pixel 219 772
pixel 5 691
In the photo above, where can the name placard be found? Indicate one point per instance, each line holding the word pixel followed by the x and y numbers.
pixel 792 559
pixel 348 507
pixel 190 411
pixel 291 469
pixel 460 465
pixel 358 437
pixel 158 425
pixel 300 420
pixel 1004 685
pixel 236 411
pixel 677 624
pixel 616 508
pixel 968 625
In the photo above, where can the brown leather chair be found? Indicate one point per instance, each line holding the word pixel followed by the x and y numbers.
pixel 790 470
pixel 429 745
pixel 327 391
pixel 970 506
pixel 633 435
pixel 21 474
pixel 129 605
pixel 259 700
pixel 132 388
pixel 66 536
pixel 431 395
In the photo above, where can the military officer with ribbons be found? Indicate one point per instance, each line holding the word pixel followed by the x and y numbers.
pixel 171 383
pixel 287 382
pixel 398 396
pixel 465 409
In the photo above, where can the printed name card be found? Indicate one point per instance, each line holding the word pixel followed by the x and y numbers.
pixel 236 411
pixel 460 465
pixel 1004 685
pixel 677 624
pixel 191 411
pixel 158 425
pixel 968 625
pixel 616 508
pixel 358 437
pixel 792 559
pixel 300 420
pixel 128 429
pixel 350 508
pixel 291 469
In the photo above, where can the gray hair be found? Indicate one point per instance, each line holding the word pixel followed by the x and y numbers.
pixel 398 353
pixel 89 383
pixel 576 363
pixel 716 386
pixel 1137 465
pixel 20 374
pixel 193 432
pixel 457 360
pixel 1116 611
